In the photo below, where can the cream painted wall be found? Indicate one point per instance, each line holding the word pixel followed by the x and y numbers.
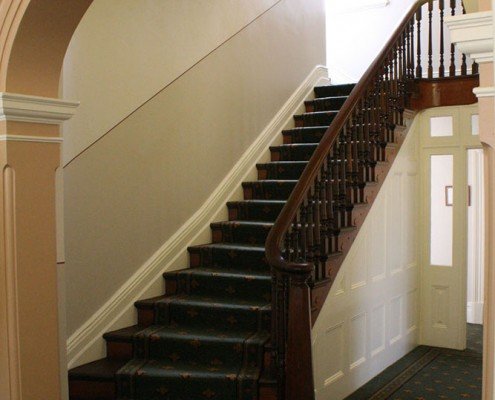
pixel 371 316
pixel 136 50
pixel 129 193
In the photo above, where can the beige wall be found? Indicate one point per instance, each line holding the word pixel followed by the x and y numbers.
pixel 130 192
pixel 371 316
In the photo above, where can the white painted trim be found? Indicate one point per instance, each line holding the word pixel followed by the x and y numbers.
pixel 87 341
pixel 34 139
pixel 475 313
pixel 35 109
pixel 473 34
pixel 484 91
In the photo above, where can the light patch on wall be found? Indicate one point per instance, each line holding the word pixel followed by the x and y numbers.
pixel 344 7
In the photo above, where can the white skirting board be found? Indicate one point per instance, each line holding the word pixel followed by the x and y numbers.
pixel 475 313
pixel 87 344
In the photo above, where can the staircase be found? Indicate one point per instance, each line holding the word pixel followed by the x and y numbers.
pixel 237 323
pixel 208 336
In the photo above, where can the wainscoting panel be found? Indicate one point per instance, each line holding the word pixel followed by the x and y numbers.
pixel 370 320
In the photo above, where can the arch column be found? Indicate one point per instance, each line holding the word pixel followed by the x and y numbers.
pixel 29 156
pixel 34 36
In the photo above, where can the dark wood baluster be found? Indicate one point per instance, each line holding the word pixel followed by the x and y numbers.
pixel 430 39
pixel 303 237
pixel 475 68
pixel 452 46
pixel 355 148
pixel 325 223
pixel 406 65
pixel 441 68
pixel 419 68
pixel 368 124
pixel 342 176
pixel 402 77
pixel 317 228
pixel 330 201
pixel 395 85
pixel 310 257
pixel 411 51
pixel 295 239
pixel 336 183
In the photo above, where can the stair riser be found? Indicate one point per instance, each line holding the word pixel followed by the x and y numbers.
pixel 91 390
pixel 248 288
pixel 333 91
pixel 330 104
pixel 247 234
pixel 316 119
pixel 277 171
pixel 293 153
pixel 221 318
pixel 254 212
pixel 239 259
pixel 268 191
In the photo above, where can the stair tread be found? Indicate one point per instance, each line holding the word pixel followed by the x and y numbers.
pixel 184 333
pixel 222 272
pixel 169 369
pixel 100 370
pixel 218 302
pixel 230 246
pixel 245 223
pixel 258 202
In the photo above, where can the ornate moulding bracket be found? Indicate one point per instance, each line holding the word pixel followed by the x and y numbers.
pixel 35 109
pixel 473 34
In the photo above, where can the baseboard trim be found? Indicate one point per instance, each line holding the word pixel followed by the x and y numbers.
pixel 87 342
pixel 475 312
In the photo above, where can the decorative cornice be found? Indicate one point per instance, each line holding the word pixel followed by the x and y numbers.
pixel 33 139
pixel 41 110
pixel 473 34
pixel 484 91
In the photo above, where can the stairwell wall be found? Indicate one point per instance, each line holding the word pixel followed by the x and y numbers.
pixel 228 67
pixel 371 316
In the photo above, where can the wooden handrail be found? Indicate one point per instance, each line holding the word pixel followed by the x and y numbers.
pixel 303 238
pixel 286 216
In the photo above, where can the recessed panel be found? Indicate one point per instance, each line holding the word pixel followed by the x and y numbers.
pixel 333 361
pixel 359 265
pixel 395 319
pixel 377 330
pixel 440 306
pixel 441 126
pixel 411 310
pixel 441 209
pixel 357 345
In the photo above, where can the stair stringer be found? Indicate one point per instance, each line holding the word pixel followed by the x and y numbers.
pixel 87 343
pixel 369 318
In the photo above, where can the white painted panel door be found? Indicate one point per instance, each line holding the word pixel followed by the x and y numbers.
pixel 443 268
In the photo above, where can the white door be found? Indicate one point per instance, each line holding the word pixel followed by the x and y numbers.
pixel 446 138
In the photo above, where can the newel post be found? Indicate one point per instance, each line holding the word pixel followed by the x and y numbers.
pixel 299 366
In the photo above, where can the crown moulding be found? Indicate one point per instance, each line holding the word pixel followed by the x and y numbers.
pixel 35 109
pixel 473 35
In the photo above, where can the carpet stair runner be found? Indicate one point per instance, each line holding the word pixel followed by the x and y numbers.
pixel 208 336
